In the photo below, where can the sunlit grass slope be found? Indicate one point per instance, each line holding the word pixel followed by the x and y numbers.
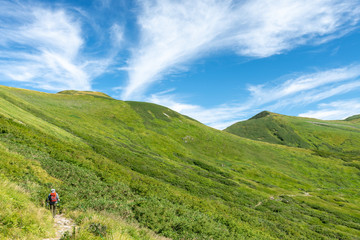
pixel 339 139
pixel 157 169
pixel 20 218
pixel 354 119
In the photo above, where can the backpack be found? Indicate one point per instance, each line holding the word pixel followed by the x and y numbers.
pixel 52 197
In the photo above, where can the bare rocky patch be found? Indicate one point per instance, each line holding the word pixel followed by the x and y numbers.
pixel 62 225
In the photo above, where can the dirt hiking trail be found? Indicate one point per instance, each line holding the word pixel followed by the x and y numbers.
pixel 61 224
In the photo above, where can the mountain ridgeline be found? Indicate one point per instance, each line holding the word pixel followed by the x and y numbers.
pixel 339 139
pixel 133 170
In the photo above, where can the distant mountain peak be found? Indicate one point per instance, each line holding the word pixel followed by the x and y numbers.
pixel 261 115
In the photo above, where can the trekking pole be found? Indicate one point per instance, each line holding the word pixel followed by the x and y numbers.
pixel 59 207
pixel 99 233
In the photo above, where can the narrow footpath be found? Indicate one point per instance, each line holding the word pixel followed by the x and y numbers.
pixel 278 198
pixel 62 224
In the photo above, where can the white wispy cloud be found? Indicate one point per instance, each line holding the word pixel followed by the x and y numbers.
pixel 272 27
pixel 173 33
pixel 293 92
pixel 335 110
pixel 44 48
pixel 308 88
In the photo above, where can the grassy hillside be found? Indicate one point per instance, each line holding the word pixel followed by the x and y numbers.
pixel 354 119
pixel 144 171
pixel 20 217
pixel 340 139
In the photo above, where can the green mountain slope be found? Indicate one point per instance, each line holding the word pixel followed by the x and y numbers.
pixel 355 118
pixel 159 173
pixel 339 139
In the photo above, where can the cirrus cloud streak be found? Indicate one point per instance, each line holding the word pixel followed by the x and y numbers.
pixel 45 48
pixel 336 110
pixel 174 33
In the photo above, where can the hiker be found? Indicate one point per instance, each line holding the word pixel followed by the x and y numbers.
pixel 53 199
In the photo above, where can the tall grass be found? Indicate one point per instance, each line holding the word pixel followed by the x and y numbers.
pixel 20 218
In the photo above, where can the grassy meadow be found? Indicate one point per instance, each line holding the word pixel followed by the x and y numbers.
pixel 133 170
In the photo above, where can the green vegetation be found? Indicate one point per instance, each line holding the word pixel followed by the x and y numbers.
pixel 142 171
pixel 355 118
pixel 73 92
pixel 19 217
pixel 95 225
pixel 269 127
pixel 339 139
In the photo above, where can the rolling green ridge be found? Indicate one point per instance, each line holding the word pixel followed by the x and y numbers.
pixel 142 171
pixel 355 118
pixel 339 139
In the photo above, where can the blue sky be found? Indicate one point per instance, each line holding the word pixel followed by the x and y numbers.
pixel 218 61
